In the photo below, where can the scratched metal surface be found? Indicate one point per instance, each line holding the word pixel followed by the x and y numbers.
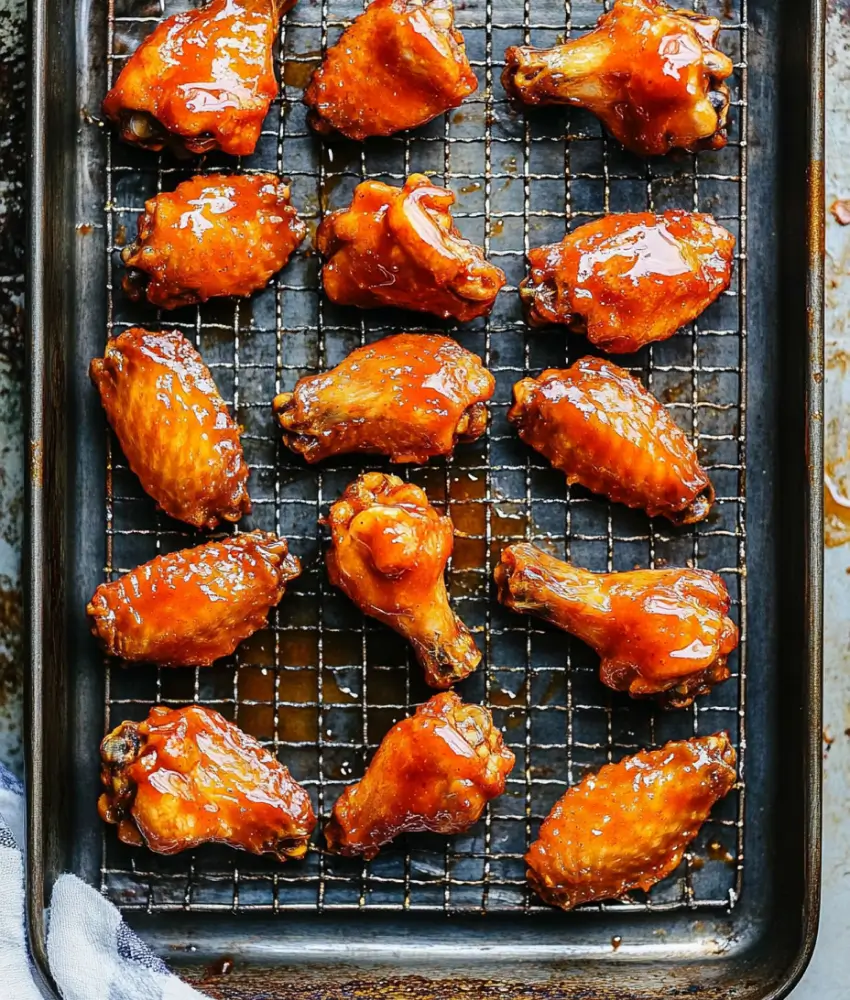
pixel 830 970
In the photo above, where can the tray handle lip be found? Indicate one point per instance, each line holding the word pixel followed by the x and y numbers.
pixel 33 548
pixel 39 13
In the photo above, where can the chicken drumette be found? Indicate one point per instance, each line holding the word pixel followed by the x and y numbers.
pixel 388 553
pixel 203 80
pixel 398 65
pixel 192 607
pixel 434 771
pixel 213 235
pixel 657 631
pixel 173 426
pixel 409 396
pixel 187 776
pixel 597 424
pixel 650 73
pixel 627 280
pixel 628 826
pixel 399 247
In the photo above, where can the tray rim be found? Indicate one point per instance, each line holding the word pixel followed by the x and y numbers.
pixel 38 498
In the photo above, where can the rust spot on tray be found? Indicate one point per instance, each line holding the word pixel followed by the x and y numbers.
pixel 37 463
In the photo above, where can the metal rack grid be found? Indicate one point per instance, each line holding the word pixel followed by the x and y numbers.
pixel 323 684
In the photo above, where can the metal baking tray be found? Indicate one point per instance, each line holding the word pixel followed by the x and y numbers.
pixel 432 916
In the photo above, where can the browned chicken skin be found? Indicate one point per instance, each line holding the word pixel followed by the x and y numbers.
pixel 173 426
pixel 600 427
pixel 435 770
pixel 213 235
pixel 409 396
pixel 398 65
pixel 187 776
pixel 202 80
pixel 388 553
pixel 658 631
pixel 628 826
pixel 627 280
pixel 192 607
pixel 650 73
pixel 399 247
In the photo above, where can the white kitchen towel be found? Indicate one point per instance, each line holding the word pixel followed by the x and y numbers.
pixel 93 954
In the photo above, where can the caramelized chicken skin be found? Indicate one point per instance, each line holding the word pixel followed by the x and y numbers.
pixel 650 73
pixel 658 631
pixel 409 396
pixel 213 235
pixel 627 280
pixel 173 426
pixel 398 65
pixel 388 553
pixel 628 826
pixel 202 80
pixel 187 776
pixel 435 770
pixel 192 607
pixel 600 427
pixel 399 247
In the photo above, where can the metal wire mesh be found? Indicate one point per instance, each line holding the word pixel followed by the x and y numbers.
pixel 323 684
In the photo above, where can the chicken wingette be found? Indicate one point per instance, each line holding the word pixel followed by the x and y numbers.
pixel 399 247
pixel 603 430
pixel 213 235
pixel 187 776
pixel 398 65
pixel 631 279
pixel 173 426
pixel 628 825
pixel 192 607
pixel 409 396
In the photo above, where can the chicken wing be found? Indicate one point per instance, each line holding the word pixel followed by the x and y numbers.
pixel 628 280
pixel 202 80
pixel 192 607
pixel 650 73
pixel 658 631
pixel 409 396
pixel 597 424
pixel 173 426
pixel 213 235
pixel 388 553
pixel 435 770
pixel 628 826
pixel 399 247
pixel 398 65
pixel 187 776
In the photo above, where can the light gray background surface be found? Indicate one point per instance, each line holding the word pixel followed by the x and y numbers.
pixel 828 978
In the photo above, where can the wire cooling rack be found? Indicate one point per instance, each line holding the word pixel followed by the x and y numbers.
pixel 322 684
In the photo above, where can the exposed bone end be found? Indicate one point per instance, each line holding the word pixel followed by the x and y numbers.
pixel 472 424
pixel 448 659
pixel 697 509
pixel 540 302
pixel 682 695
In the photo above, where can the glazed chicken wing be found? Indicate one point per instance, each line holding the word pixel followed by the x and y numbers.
pixel 629 825
pixel 192 607
pixel 409 396
pixel 203 80
pixel 388 553
pixel 173 426
pixel 399 247
pixel 650 73
pixel 627 280
pixel 434 771
pixel 599 426
pixel 398 65
pixel 213 235
pixel 658 631
pixel 187 776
